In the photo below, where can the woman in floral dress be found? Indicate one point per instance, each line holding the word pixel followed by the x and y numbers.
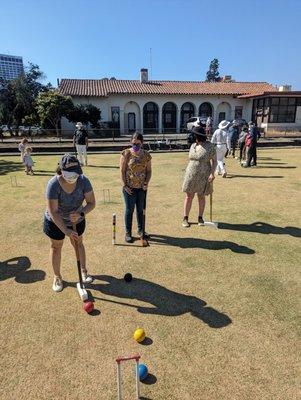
pixel 136 171
pixel 199 174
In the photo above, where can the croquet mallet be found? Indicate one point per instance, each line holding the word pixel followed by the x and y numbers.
pixel 83 294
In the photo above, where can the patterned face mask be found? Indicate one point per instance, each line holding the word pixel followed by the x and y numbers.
pixel 70 177
pixel 136 147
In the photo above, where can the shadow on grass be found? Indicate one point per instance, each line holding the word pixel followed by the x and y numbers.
pixel 273 163
pixel 269 158
pixel 191 243
pixel 274 166
pixel 231 176
pixel 149 380
pixel 6 167
pixel 18 268
pixel 104 166
pixel 38 174
pixel 165 302
pixel 262 227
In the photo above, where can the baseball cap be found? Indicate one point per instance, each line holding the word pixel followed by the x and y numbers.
pixel 71 164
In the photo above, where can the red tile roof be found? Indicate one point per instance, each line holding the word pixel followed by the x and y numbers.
pixel 295 93
pixel 105 87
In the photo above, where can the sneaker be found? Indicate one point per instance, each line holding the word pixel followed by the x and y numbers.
pixel 200 221
pixel 87 278
pixel 128 238
pixel 57 284
pixel 185 223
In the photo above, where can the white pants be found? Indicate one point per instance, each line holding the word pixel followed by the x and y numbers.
pixel 81 153
pixel 221 150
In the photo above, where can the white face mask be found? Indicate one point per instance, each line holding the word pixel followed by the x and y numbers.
pixel 70 177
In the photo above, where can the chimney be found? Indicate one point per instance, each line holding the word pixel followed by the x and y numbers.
pixel 227 78
pixel 143 75
pixel 285 88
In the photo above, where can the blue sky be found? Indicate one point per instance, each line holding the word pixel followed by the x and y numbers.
pixel 253 40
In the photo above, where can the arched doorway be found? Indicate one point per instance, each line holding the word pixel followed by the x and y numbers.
pixel 223 111
pixel 150 117
pixel 131 117
pixel 187 111
pixel 205 110
pixel 169 117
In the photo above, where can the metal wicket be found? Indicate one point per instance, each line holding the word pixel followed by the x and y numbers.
pixel 106 195
pixel 13 181
pixel 119 377
pixel 114 230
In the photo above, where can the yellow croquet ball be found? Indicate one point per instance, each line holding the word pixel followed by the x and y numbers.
pixel 139 335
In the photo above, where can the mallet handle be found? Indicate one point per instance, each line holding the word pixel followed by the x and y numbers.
pixel 78 259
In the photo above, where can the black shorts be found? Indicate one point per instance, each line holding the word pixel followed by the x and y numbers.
pixel 52 231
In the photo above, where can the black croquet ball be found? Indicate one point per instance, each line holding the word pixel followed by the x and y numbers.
pixel 128 277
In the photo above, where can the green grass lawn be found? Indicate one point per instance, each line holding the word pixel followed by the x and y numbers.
pixel 220 306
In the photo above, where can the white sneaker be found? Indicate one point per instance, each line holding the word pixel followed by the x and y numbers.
pixel 185 223
pixel 57 284
pixel 87 278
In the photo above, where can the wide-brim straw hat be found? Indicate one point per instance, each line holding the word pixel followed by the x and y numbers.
pixel 224 124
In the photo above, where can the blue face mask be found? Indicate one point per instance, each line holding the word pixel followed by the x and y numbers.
pixel 136 147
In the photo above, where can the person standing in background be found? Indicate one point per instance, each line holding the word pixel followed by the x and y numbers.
pixel 221 139
pixel 28 161
pixel 242 144
pixel 22 147
pixel 209 126
pixel 199 174
pixel 81 142
pixel 136 172
pixel 233 137
pixel 252 138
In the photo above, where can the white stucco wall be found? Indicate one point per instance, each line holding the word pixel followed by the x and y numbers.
pixel 122 101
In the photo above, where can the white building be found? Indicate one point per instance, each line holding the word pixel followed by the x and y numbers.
pixel 165 106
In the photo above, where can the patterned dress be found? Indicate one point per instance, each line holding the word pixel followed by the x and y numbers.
pixel 136 167
pixel 199 169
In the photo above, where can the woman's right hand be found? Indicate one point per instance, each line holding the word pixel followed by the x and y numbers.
pixel 128 190
pixel 71 234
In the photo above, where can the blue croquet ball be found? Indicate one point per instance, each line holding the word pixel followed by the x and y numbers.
pixel 143 372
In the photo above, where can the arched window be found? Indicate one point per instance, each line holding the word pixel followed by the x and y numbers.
pixel 150 117
pixel 169 117
pixel 187 111
pixel 205 110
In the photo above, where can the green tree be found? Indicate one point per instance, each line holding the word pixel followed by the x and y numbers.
pixel 52 106
pixel 213 73
pixel 85 113
pixel 17 97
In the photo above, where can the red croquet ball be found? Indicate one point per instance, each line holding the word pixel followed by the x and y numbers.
pixel 88 306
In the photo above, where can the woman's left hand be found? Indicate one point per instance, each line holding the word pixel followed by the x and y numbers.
pixel 74 217
pixel 145 185
pixel 211 177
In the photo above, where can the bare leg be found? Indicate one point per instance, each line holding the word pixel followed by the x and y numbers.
pixel 202 201
pixel 55 256
pixel 187 203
